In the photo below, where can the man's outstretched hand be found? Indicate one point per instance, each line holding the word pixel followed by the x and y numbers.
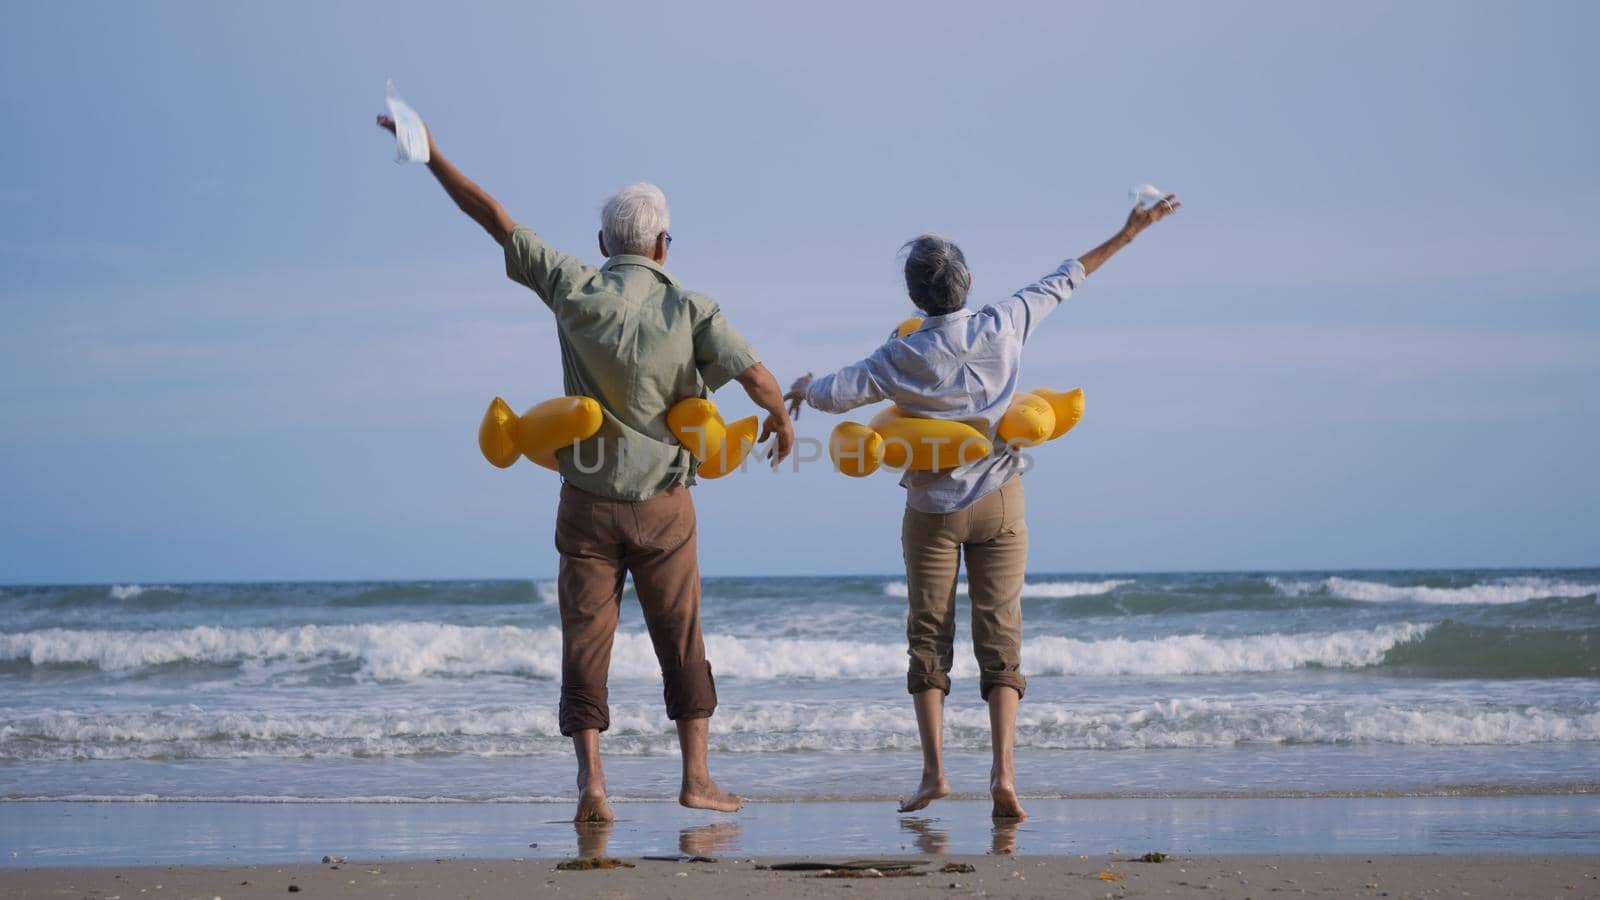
pixel 781 428
pixel 387 124
pixel 796 398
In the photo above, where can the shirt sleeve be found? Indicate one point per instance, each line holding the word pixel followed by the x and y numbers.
pixel 1023 310
pixel 852 386
pixel 536 265
pixel 720 352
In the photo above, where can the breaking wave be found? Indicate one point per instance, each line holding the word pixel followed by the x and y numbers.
pixel 779 727
pixel 1033 589
pixel 1509 590
pixel 403 651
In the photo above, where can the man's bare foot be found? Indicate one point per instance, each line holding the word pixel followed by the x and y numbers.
pixel 932 788
pixel 706 795
pixel 1002 786
pixel 592 807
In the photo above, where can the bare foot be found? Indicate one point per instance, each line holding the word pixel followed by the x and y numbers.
pixel 932 788
pixel 592 807
pixel 1003 788
pixel 706 795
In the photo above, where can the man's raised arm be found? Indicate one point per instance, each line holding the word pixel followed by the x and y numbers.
pixel 473 200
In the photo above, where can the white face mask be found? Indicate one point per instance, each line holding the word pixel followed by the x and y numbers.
pixel 1140 194
pixel 410 138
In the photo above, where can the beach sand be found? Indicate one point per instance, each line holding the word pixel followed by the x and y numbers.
pixel 1543 876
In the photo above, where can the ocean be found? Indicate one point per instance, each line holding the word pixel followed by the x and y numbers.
pixel 1181 685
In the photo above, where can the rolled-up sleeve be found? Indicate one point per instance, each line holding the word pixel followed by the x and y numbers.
pixel 1026 308
pixel 536 265
pixel 852 386
pixel 720 352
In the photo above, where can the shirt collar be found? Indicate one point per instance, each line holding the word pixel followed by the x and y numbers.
pixel 935 321
pixel 643 262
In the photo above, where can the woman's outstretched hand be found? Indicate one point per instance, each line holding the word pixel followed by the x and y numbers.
pixel 1143 217
pixel 796 398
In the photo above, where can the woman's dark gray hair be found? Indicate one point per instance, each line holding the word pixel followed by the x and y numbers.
pixel 936 274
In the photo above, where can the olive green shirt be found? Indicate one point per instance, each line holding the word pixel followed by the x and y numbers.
pixel 637 342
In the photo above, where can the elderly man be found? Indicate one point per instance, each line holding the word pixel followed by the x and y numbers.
pixel 636 341
pixel 963 365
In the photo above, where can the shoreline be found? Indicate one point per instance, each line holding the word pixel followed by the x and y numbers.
pixel 164 833
pixel 1535 789
pixel 1498 875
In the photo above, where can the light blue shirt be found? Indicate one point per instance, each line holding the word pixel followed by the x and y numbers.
pixel 963 365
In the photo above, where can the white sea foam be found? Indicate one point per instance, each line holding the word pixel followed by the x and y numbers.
pixel 1502 591
pixel 1205 655
pixel 1038 589
pixel 785 727
pixel 405 651
pixel 125 591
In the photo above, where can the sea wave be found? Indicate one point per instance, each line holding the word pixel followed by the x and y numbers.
pixel 1496 592
pixel 1032 589
pixel 403 651
pixel 783 727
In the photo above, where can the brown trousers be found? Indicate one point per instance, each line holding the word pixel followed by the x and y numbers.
pixel 994 537
pixel 601 541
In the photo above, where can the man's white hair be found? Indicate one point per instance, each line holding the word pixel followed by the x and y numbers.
pixel 633 218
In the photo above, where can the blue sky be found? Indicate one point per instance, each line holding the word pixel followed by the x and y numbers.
pixel 238 342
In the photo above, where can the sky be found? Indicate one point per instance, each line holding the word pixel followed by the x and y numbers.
pixel 238 342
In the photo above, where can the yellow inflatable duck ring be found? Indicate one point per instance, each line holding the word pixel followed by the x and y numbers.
pixel 538 433
pixel 720 447
pixel 901 442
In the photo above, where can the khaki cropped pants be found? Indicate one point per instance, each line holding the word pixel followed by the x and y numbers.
pixel 993 535
pixel 601 541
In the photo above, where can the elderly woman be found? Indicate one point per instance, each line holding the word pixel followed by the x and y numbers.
pixel 964 365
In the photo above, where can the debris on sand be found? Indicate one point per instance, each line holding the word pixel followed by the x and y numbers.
pixel 871 873
pixel 1108 876
pixel 1153 856
pixel 853 865
pixel 591 863
pixel 957 868
pixel 680 859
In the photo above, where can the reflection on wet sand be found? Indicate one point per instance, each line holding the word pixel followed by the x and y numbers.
pixel 933 840
pixel 710 840
pixel 592 838
pixel 929 839
pixel 1004 840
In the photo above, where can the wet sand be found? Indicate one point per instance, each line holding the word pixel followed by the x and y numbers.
pixel 1543 876
pixel 60 834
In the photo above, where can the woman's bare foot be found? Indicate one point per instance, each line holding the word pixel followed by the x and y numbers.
pixel 706 795
pixel 932 788
pixel 1002 786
